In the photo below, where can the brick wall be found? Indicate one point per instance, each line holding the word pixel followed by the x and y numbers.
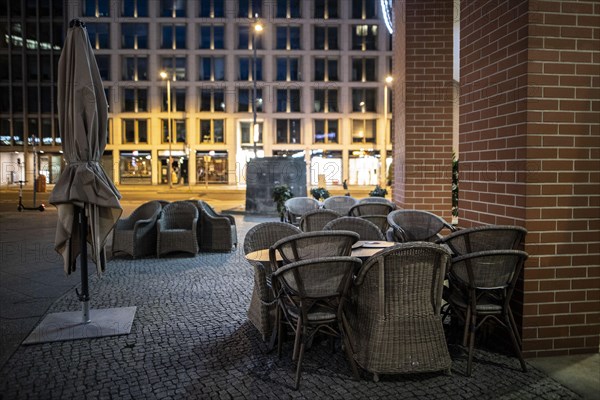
pixel 423 106
pixel 530 155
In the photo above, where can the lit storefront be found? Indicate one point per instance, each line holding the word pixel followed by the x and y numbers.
pixel 328 164
pixel 211 167
pixel 363 167
pixel 135 167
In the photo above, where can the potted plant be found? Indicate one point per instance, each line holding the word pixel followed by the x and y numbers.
pixel 281 193
pixel 319 193
pixel 378 192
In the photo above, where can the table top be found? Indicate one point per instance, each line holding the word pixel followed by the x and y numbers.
pixel 361 249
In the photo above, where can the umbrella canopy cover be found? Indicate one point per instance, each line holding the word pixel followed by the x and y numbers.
pixel 83 118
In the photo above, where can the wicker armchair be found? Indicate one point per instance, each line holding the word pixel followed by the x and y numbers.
pixel 136 234
pixel 367 230
pixel 482 238
pixel 307 245
pixel 370 208
pixel 340 204
pixel 314 295
pixel 376 199
pixel 262 309
pixel 298 206
pixel 315 220
pixel 415 225
pixel 481 287
pixel 394 322
pixel 217 231
pixel 177 228
pixel 379 220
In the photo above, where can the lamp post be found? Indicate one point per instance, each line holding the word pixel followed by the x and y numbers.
pixel 165 76
pixel 388 80
pixel 255 131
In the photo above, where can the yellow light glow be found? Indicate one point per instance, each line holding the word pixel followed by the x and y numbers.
pixel 163 74
pixel 389 79
pixel 258 27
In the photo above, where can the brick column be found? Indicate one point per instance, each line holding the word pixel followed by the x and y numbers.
pixel 530 156
pixel 423 105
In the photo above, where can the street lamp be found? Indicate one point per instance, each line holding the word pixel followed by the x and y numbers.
pixel 388 81
pixel 258 28
pixel 165 76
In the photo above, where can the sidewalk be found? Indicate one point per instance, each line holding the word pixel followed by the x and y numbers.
pixel 191 337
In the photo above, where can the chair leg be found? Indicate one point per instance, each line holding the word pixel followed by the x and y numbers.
pixel 514 326
pixel 299 366
pixel 297 338
pixel 349 355
pixel 279 332
pixel 515 343
pixel 466 330
pixel 472 328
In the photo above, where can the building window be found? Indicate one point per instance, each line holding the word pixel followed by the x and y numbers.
pixel 212 100
pixel 95 8
pixel 326 69
pixel 364 9
pixel 245 100
pixel 134 36
pixel 211 37
pixel 177 130
pixel 327 163
pixel 212 9
pixel 172 8
pixel 134 8
pixel 326 131
pixel 173 37
pixel 212 131
pixel 175 66
pixel 46 132
pixel 99 35
pixel 326 38
pixel 288 100
pixel 247 135
pixel 103 62
pixel 249 8
pixel 288 69
pixel 245 38
pixel 326 100
pixel 364 100
pixel 364 69
pixel 364 37
pixel 364 130
pixel 287 131
pixel 288 38
pixel 288 9
pixel 326 9
pixel 135 68
pixel 211 69
pixel 135 100
pixel 177 99
pixel 246 64
pixel 135 167
pixel 135 131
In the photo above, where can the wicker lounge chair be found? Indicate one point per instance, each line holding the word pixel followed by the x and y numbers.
pixel 217 231
pixel 315 220
pixel 136 234
pixel 296 207
pixel 394 321
pixel 370 208
pixel 314 295
pixel 340 204
pixel 177 228
pixel 367 230
pixel 415 225
pixel 481 287
pixel 262 310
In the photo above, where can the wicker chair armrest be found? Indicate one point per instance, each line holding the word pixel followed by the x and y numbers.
pixel 231 218
pixel 125 224
pixel 143 225
pixel 218 220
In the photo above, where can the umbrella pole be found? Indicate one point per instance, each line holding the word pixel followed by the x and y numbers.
pixel 84 296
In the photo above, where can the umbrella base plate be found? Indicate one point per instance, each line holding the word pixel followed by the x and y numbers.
pixel 63 326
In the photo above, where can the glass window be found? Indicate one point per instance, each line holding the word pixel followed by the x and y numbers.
pixel 364 69
pixel 287 38
pixel 103 62
pixel 178 96
pixel 364 130
pixel 288 69
pixel 46 132
pixel 135 68
pixel 47 99
pixel 245 100
pixel 218 37
pixel 287 131
pixel 247 136
pixel 364 37
pixel 173 37
pixel 178 130
pixel 135 100
pixel 288 100
pixel 95 8
pixel 326 131
pixel 134 8
pixel 364 9
pixel 32 99
pixel 134 36
pixel 98 35
pixel 245 69
pixel 325 100
pixel 135 131
pixel 249 8
pixel 18 131
pixel 212 131
pixel 211 9
pixel 326 69
pixel 326 38
pixel 172 8
pixel 212 100
pixel 175 65
pixel 211 37
pixel 326 9
pixel 288 9
pixel 211 69
pixel 364 100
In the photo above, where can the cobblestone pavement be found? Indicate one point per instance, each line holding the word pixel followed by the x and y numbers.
pixel 191 339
